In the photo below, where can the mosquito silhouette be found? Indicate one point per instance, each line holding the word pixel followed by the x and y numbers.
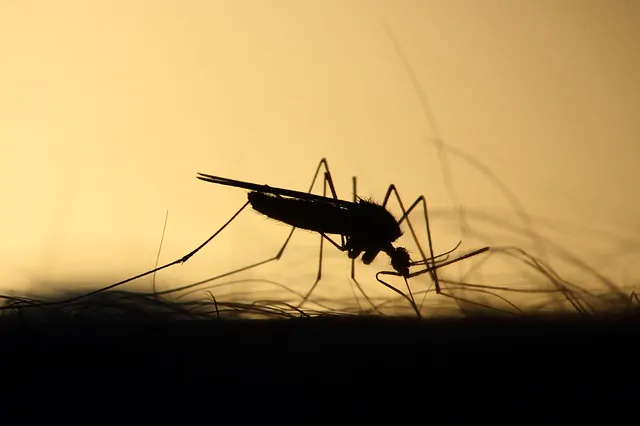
pixel 365 227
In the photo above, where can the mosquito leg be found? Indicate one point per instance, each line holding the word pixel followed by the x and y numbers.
pixel 328 181
pixel 181 260
pixel 277 256
pixel 405 216
pixel 152 271
pixel 409 298
pixel 429 269
pixel 321 165
pixel 430 261
pixel 323 162
pixel 427 261
pixel 353 261
pixel 355 199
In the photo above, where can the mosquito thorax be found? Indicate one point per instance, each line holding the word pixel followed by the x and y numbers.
pixel 376 223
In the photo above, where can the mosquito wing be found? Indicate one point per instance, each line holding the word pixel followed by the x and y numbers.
pixel 266 189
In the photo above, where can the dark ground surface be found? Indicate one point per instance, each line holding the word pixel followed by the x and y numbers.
pixel 302 368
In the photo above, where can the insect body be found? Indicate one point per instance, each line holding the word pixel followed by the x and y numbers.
pixel 367 228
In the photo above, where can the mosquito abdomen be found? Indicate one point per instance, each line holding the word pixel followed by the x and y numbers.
pixel 368 225
pixel 304 214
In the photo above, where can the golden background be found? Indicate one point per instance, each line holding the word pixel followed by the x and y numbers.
pixel 109 109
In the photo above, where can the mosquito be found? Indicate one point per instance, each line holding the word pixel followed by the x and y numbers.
pixel 365 227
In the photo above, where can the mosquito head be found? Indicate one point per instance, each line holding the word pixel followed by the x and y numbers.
pixel 400 260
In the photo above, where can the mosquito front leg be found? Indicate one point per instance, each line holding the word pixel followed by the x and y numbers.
pixel 405 216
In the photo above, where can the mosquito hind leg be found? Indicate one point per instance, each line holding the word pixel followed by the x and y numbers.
pixel 276 257
pixel 327 182
pixel 152 271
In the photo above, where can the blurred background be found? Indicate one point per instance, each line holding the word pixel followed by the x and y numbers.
pixel 516 120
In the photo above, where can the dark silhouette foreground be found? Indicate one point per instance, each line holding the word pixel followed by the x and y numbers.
pixel 144 365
